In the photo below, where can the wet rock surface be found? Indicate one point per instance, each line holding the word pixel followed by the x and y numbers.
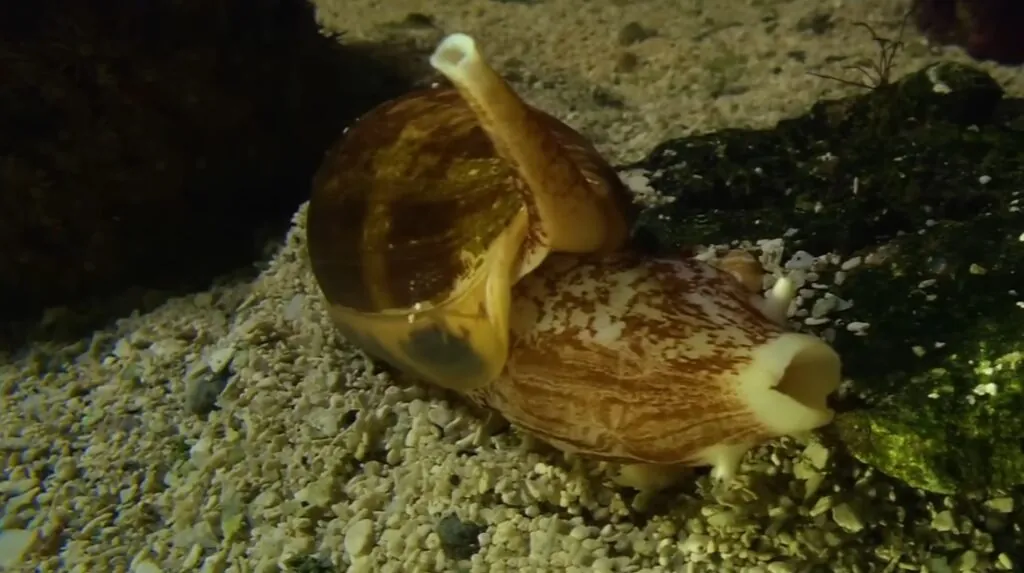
pixel 914 192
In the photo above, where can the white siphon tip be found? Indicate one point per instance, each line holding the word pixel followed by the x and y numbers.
pixel 453 54
pixel 778 300
pixel 783 290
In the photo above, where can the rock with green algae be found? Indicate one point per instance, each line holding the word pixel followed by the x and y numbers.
pixel 940 377
pixel 924 180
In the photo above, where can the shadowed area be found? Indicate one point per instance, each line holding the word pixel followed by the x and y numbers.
pixel 158 144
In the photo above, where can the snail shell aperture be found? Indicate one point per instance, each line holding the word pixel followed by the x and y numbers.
pixel 479 244
pixel 434 204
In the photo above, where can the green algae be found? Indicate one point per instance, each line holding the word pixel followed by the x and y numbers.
pixel 940 376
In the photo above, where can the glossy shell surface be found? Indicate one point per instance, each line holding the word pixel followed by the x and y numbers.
pixel 411 216
pixel 406 204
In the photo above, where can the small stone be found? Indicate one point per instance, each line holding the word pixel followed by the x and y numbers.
pixel 320 493
pixel 695 543
pixel 219 359
pixel 459 539
pixel 847 518
pixel 362 565
pixel 202 391
pixel 17 487
pixel 633 33
pixel 968 560
pixel 938 565
pixel 780 567
pixel 293 310
pixel 1000 504
pixel 817 454
pixel 823 504
pixel 943 521
pixel 359 538
pixel 850 264
pixel 580 532
pixel 146 566
pixel 439 415
pixel 801 260
pixel 14 545
pixel 19 502
pixel 812 484
pixel 722 519
pixel 858 327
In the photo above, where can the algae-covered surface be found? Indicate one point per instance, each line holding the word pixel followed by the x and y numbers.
pixel 940 377
pixel 917 188
pixel 848 175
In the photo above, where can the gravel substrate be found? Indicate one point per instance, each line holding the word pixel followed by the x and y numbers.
pixel 116 457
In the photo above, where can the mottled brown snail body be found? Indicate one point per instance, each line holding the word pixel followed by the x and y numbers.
pixel 479 244
pixel 657 361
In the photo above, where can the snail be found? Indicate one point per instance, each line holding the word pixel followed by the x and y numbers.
pixel 477 243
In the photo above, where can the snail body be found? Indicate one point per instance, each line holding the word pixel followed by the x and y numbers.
pixel 657 362
pixel 479 244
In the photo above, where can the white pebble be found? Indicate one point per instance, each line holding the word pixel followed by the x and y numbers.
pixel 850 264
pixel 1000 504
pixel 14 544
pixel 359 538
pixel 943 521
pixel 801 260
pixel 858 327
pixel 146 566
pixel 824 306
pixel 847 518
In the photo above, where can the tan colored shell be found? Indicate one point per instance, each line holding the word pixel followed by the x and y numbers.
pixel 661 362
pixel 434 204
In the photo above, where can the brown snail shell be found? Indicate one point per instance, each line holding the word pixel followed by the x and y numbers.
pixel 478 243
pixel 659 362
pixel 434 204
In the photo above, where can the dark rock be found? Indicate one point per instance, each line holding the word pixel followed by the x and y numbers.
pixel 202 391
pixel 459 539
pixel 924 181
pixel 817 23
pixel 634 33
pixel 154 144
pixel 987 29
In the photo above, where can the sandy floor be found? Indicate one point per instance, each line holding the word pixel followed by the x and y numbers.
pixel 630 74
pixel 317 461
